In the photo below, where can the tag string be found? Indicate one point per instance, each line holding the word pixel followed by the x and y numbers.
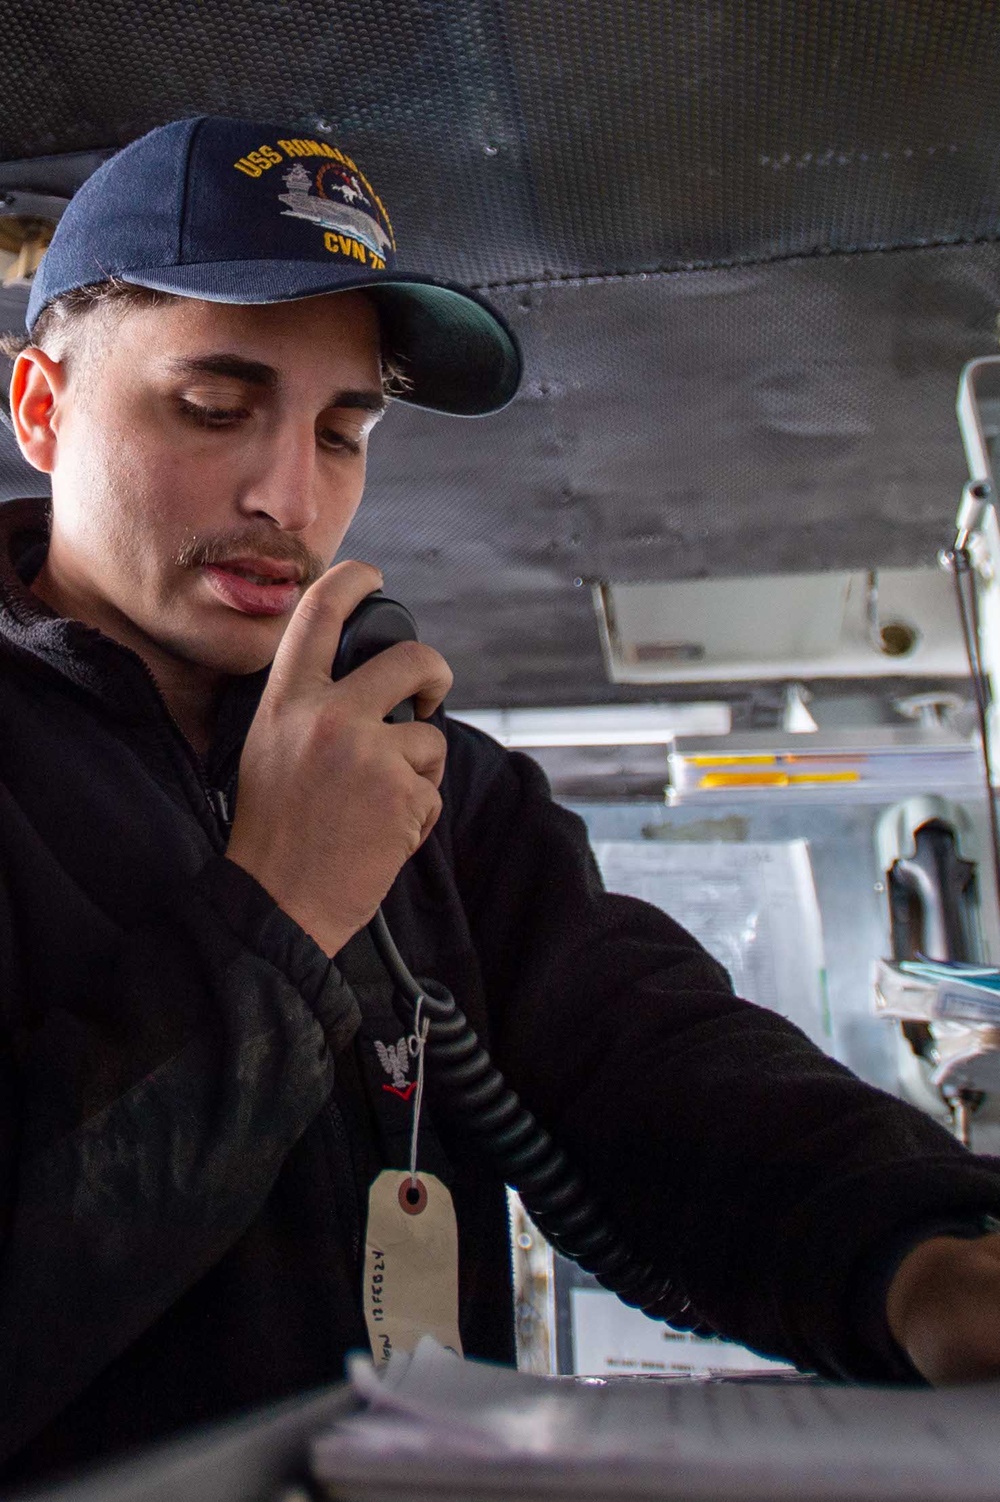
pixel 421 1027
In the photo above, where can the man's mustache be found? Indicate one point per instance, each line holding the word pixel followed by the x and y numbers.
pixel 253 542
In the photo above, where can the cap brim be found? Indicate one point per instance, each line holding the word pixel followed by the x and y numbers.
pixel 456 352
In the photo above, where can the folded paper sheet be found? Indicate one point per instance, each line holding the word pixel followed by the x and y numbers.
pixel 436 1426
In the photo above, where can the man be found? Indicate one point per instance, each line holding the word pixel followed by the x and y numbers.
pixel 195 1021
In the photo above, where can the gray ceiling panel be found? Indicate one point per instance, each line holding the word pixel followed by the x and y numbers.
pixel 828 173
pixel 684 133
pixel 770 419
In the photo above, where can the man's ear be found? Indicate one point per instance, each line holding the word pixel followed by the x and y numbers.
pixel 36 387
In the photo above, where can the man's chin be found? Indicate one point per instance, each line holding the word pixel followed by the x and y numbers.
pixel 226 658
pixel 235 664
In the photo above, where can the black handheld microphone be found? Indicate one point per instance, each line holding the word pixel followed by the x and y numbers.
pixel 375 624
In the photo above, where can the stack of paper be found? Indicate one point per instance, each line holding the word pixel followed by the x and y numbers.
pixel 437 1427
pixel 962 1005
pixel 938 990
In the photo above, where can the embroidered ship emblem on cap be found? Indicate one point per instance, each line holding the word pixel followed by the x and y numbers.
pixel 395 1060
pixel 340 204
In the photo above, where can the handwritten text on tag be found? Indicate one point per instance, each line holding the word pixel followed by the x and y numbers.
pixel 411 1264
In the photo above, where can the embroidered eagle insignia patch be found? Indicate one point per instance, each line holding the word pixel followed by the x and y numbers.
pixel 395 1060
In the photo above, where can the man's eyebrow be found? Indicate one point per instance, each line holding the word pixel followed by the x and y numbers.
pixel 251 372
pixel 256 373
pixel 365 401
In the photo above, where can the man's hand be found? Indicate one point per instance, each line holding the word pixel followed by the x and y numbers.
pixel 332 801
pixel 943 1308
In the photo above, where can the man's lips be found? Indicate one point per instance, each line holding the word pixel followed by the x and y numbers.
pixel 255 586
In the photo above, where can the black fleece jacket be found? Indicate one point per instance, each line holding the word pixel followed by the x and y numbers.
pixel 190 1114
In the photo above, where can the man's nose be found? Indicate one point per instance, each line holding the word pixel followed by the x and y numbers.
pixel 282 482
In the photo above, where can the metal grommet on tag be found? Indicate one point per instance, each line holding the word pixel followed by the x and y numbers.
pixel 412 1196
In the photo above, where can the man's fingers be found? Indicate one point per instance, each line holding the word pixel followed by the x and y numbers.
pixel 427 807
pixel 943 1308
pixel 312 636
pixel 423 747
pixel 333 801
pixel 408 670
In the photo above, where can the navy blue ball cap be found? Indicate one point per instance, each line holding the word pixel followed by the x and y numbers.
pixel 243 212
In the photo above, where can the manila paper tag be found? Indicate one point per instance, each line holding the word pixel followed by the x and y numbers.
pixel 411 1264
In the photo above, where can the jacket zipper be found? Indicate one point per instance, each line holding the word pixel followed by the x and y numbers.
pixel 218 800
pixel 219 804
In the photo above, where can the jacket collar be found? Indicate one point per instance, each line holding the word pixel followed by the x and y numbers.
pixel 81 655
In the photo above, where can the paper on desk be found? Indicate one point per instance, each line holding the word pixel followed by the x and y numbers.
pixel 436 1424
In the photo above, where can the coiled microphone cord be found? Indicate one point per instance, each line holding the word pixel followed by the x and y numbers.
pixel 526 1156
pixel 554 1195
